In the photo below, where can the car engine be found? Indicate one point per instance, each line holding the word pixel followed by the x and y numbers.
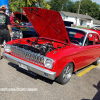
pixel 37 48
pixel 44 48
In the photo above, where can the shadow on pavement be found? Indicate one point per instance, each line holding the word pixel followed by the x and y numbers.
pixel 30 74
pixel 97 95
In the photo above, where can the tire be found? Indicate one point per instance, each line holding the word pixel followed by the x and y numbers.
pixel 97 61
pixel 66 74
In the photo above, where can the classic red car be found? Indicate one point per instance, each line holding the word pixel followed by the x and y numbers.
pixel 58 51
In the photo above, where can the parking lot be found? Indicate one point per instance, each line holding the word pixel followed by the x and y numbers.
pixel 84 85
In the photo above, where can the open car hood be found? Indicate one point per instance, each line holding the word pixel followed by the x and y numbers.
pixel 47 23
pixel 21 17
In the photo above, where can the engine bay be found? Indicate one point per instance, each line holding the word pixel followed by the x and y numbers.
pixel 39 47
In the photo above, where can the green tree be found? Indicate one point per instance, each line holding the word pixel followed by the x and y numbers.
pixel 94 11
pixel 76 5
pixel 68 6
pixel 40 3
pixel 87 6
pixel 99 14
pixel 58 5
pixel 16 4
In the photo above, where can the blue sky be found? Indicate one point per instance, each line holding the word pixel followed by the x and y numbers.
pixel 97 1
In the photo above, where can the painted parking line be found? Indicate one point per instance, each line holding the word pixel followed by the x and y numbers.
pixel 86 70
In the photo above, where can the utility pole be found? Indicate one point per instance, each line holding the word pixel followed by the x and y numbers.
pixel 78 11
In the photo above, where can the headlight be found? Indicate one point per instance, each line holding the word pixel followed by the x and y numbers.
pixel 20 34
pixel 7 48
pixel 17 34
pixel 48 63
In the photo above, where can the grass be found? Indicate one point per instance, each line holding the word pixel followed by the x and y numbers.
pixel 82 27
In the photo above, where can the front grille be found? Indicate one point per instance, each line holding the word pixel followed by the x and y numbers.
pixel 27 55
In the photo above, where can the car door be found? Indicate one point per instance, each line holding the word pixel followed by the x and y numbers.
pixel 97 46
pixel 91 50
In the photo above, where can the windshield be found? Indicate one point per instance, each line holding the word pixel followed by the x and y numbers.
pixel 76 36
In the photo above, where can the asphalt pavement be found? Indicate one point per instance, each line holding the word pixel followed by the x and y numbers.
pixel 15 84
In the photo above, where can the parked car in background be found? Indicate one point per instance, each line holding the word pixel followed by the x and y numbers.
pixel 23 32
pixel 68 23
pixel 58 51
pixel 96 27
pixel 24 28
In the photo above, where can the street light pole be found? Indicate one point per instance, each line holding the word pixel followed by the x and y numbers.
pixel 78 11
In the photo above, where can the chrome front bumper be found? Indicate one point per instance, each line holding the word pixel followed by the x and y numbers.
pixel 31 67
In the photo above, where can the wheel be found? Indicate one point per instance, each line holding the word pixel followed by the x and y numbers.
pixel 97 61
pixel 66 74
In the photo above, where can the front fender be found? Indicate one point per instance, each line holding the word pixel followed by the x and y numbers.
pixel 61 63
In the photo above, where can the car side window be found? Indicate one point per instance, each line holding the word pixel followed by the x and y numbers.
pixel 96 39
pixel 90 39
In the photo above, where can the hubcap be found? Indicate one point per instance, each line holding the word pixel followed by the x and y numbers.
pixel 98 61
pixel 67 72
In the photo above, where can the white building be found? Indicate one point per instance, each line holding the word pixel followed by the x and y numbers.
pixel 82 20
pixel 96 23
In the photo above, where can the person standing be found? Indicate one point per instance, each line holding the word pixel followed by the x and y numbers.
pixel 5 27
pixel 12 18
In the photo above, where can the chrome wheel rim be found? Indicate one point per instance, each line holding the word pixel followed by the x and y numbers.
pixel 67 73
pixel 98 61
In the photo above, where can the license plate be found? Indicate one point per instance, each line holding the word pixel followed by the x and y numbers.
pixel 22 66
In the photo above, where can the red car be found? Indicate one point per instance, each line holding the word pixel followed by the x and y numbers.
pixel 58 51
